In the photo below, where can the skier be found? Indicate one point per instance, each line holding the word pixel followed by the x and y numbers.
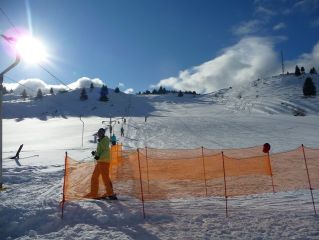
pixel 102 157
pixel 122 131
pixel 113 139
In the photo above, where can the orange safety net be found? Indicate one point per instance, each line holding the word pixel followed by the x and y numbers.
pixel 152 174
pixel 78 175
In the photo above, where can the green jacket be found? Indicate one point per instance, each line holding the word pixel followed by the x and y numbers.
pixel 103 150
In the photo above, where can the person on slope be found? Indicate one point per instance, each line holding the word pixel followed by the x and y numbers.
pixel 113 139
pixel 122 131
pixel 102 166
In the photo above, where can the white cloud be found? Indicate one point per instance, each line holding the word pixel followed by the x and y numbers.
pixel 121 85
pixel 307 60
pixel 248 27
pixel 263 10
pixel 306 5
pixel 33 84
pixel 249 59
pixel 85 82
pixel 129 91
pixel 279 26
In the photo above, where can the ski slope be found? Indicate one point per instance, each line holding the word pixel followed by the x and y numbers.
pixel 50 127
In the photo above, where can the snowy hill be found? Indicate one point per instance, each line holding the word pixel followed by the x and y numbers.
pixel 29 207
pixel 274 95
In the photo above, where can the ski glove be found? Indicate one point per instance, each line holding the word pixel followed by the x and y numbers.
pixel 93 153
pixel 96 157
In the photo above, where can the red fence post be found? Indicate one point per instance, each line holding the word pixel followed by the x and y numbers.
pixel 142 194
pixel 204 170
pixel 226 197
pixel 148 179
pixel 63 196
pixel 304 156
pixel 272 179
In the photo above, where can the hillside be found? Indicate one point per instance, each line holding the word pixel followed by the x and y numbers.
pixel 29 207
pixel 274 95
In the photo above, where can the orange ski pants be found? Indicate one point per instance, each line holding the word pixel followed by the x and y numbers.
pixel 101 168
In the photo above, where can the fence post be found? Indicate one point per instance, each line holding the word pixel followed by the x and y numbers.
pixel 142 194
pixel 304 156
pixel 148 179
pixel 272 179
pixel 204 170
pixel 225 185
pixel 82 129
pixel 63 195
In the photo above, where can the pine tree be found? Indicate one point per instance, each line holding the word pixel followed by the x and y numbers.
pixel 160 90
pixel 309 89
pixel 297 71
pixel 4 90
pixel 51 91
pixel 24 94
pixel 313 71
pixel 91 87
pixel 302 70
pixel 103 94
pixel 83 95
pixel 117 90
pixel 180 94
pixel 39 94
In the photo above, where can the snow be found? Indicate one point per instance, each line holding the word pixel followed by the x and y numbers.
pixel 51 126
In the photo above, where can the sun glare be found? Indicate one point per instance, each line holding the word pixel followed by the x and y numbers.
pixel 31 50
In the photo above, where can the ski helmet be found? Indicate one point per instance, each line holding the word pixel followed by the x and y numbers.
pixel 101 131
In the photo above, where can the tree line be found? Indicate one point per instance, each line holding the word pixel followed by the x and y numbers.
pixel 162 90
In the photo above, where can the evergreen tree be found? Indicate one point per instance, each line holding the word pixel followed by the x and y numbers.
pixel 160 90
pixel 302 70
pixel 297 71
pixel 39 94
pixel 117 90
pixel 154 91
pixel 51 91
pixel 313 71
pixel 24 94
pixel 83 95
pixel 91 87
pixel 4 90
pixel 180 94
pixel 103 94
pixel 309 89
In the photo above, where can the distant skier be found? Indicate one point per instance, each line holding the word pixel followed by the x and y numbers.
pixel 122 131
pixel 102 167
pixel 113 139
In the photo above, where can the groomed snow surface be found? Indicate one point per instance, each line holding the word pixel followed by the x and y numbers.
pixel 51 126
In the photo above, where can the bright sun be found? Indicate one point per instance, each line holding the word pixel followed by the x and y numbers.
pixel 30 49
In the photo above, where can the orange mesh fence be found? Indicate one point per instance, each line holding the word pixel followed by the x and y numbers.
pixel 289 170
pixel 152 174
pixel 312 158
pixel 77 179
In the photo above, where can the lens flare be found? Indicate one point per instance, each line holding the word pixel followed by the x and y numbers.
pixel 30 49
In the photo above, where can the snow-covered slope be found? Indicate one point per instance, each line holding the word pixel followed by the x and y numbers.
pixel 29 207
pixel 275 95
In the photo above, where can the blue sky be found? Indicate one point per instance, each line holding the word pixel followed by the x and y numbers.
pixel 200 45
